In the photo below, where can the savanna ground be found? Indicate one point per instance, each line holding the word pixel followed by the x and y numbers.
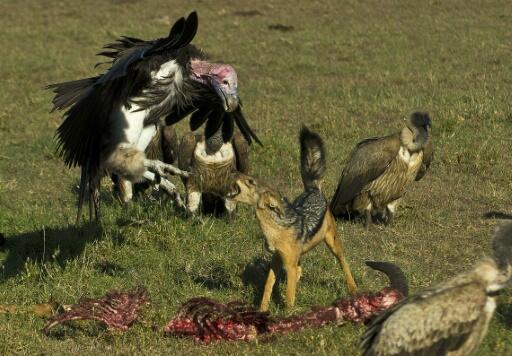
pixel 347 69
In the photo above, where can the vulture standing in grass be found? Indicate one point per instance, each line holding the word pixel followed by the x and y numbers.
pixel 111 118
pixel 211 163
pixel 448 319
pixel 380 169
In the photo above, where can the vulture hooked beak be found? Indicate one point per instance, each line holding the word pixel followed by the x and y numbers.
pixel 228 95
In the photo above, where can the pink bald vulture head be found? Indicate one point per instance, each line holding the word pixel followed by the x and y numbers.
pixel 221 78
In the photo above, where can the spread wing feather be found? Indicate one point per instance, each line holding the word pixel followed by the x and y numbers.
pixel 432 322
pixel 210 111
pixel 214 122
pixel 68 93
pixel 199 117
pixel 366 162
pixel 244 127
pixel 91 100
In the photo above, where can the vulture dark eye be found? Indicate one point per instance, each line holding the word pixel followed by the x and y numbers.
pixel 225 82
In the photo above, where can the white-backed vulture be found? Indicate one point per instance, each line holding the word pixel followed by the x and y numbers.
pixel 379 171
pixel 450 318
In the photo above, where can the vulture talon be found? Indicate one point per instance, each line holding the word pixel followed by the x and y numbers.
pixel 164 169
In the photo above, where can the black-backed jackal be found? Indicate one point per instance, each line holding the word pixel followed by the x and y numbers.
pixel 292 229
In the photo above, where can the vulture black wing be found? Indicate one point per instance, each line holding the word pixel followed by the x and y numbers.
pixel 212 113
pixel 90 102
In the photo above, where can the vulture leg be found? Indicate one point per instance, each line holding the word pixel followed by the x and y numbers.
pixel 391 211
pixel 124 190
pixel 193 201
pixel 230 206
pixel 168 187
pixel 94 198
pixel 368 218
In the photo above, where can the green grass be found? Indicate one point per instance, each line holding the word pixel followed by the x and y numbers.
pixel 349 70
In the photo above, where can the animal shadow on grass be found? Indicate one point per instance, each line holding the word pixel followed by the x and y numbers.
pixel 255 276
pixel 497 215
pixel 505 312
pixel 58 245
pixel 215 277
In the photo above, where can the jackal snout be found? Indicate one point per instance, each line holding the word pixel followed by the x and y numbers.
pixel 244 189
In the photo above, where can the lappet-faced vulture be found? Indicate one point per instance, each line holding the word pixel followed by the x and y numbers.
pixel 379 171
pixel 450 318
pixel 111 118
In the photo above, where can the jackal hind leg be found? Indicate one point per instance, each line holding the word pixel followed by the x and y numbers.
pixel 336 247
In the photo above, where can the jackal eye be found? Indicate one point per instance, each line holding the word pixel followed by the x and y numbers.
pixel 251 182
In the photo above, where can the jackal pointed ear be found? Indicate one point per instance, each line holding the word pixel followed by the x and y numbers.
pixel 274 204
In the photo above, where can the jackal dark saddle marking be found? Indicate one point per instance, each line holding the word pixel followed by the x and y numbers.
pixel 307 213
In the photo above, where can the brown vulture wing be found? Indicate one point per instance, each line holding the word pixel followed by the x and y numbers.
pixel 366 162
pixel 428 156
pixel 241 148
pixel 433 322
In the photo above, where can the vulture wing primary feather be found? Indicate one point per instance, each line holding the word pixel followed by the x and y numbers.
pixel 110 118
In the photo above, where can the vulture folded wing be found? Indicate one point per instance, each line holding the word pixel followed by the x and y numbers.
pixel 366 162
pixel 428 156
pixel 170 144
pixel 186 150
pixel 241 148
pixel 431 323
pixel 210 110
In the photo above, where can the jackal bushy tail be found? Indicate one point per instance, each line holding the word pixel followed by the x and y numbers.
pixel 312 158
